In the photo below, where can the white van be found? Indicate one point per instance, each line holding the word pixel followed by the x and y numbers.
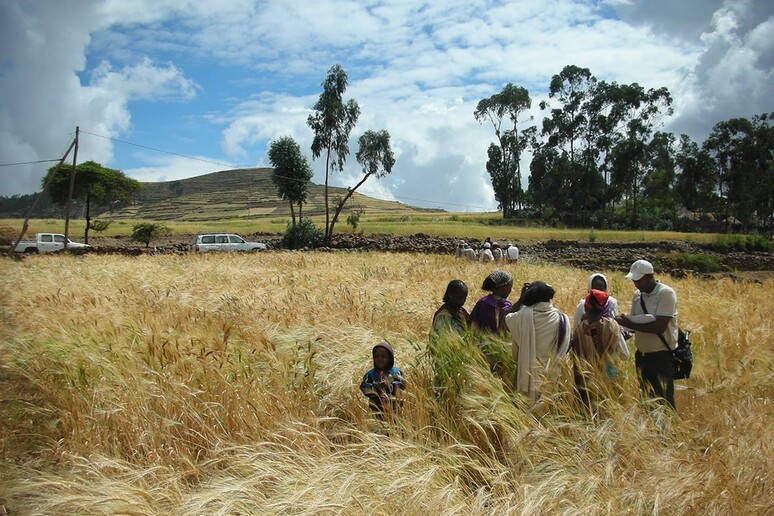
pixel 205 242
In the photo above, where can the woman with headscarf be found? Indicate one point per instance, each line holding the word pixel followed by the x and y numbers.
pixel 540 334
pixel 489 312
pixel 598 281
pixel 452 314
pixel 593 343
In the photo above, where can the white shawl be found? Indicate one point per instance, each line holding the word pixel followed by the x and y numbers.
pixel 534 335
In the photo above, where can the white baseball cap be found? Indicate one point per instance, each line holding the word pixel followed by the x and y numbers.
pixel 639 269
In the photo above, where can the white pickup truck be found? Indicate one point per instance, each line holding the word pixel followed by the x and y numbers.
pixel 47 243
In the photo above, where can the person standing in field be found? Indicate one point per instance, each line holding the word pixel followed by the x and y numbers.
pixel 540 336
pixel 653 318
pixel 486 253
pixel 382 384
pixel 594 341
pixel 598 281
pixel 497 252
pixel 452 316
pixel 511 253
pixel 489 311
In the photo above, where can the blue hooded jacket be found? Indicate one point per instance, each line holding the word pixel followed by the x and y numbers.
pixel 380 385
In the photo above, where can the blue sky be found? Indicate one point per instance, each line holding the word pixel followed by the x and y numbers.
pixel 217 81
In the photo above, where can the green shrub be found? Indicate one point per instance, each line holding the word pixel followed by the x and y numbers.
pixel 146 232
pixel 728 243
pixel 695 262
pixel 100 225
pixel 304 234
pixel 353 219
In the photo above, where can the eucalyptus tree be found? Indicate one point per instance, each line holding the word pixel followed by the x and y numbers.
pixel 291 175
pixel 573 87
pixel 639 111
pixel 695 184
pixel 571 129
pixel 549 190
pixel 743 152
pixel 332 122
pixel 503 110
pixel 94 184
pixel 377 159
pixel 659 180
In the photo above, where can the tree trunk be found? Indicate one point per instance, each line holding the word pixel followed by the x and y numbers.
pixel 88 219
pixel 292 214
pixel 340 207
pixel 327 168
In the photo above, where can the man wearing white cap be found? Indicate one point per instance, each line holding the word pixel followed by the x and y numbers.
pixel 654 319
pixel 486 255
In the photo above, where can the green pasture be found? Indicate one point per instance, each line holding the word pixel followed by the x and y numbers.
pixel 471 226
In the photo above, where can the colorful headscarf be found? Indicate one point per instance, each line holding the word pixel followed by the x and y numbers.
pixel 596 299
pixel 497 279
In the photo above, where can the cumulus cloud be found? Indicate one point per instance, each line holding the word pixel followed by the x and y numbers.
pixel 172 168
pixel 221 80
pixel 732 74
pixel 45 97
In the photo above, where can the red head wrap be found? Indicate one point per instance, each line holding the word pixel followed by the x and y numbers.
pixel 595 298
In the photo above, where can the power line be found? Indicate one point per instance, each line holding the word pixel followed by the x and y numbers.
pixel 158 150
pixel 394 197
pixel 28 162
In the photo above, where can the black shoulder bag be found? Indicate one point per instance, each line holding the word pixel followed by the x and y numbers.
pixel 682 353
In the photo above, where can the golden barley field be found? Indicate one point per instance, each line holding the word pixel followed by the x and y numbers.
pixel 228 384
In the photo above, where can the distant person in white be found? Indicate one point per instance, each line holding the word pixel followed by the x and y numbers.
pixel 463 250
pixel 497 253
pixel 512 253
pixel 486 255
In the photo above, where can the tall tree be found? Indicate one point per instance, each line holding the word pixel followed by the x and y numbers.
pixel 291 174
pixel 695 183
pixel 503 164
pixel 571 129
pixel 376 157
pixel 332 121
pixel 640 110
pixel 572 88
pixel 743 152
pixel 549 190
pixel 659 180
pixel 94 184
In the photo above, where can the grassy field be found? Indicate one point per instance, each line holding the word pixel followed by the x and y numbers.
pixel 478 225
pixel 217 384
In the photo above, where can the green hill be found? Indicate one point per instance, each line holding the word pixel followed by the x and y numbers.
pixel 238 193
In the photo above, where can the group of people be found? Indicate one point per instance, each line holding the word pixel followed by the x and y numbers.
pixel 488 252
pixel 541 335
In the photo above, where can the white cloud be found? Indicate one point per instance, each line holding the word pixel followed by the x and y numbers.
pixel 43 96
pixel 171 168
pixel 227 77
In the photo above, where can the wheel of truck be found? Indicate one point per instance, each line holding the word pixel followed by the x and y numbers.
pixel 31 250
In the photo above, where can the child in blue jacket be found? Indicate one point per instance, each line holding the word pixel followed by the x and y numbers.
pixel 381 384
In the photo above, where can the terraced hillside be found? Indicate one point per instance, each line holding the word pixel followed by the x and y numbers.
pixel 239 193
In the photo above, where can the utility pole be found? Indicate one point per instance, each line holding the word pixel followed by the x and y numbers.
pixel 72 186
pixel 25 225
